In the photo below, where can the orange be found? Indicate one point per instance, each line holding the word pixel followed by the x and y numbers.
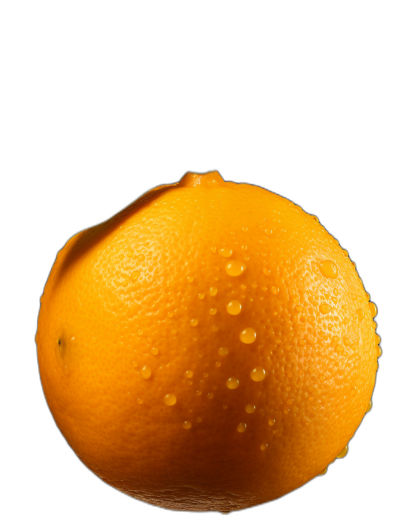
pixel 211 347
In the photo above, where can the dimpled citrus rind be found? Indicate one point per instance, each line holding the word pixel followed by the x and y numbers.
pixel 169 396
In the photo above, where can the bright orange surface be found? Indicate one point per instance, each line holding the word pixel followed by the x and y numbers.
pixel 211 347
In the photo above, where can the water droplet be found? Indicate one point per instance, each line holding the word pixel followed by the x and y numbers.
pixel 377 339
pixel 145 372
pixel 241 427
pixel 299 308
pixel 233 307
pixel 258 374
pixel 343 453
pixel 224 407
pixel 205 375
pixel 264 446
pixel 328 269
pixel 189 374
pixel 170 399
pixel 135 363
pixel 154 351
pixel 373 309
pixel 250 408
pixel 232 383
pixel 271 422
pixel 225 252
pixel 213 311
pixel 190 279
pixel 360 314
pixel 324 308
pixel 140 400
pixel 210 395
pixel 135 275
pixel 234 268
pixel 323 472
pixel 369 407
pixel 213 291
pixel 198 392
pixel 199 419
pixel 378 351
pixel 201 296
pixel 194 322
pixel 274 290
pixel 247 336
pixel 173 331
pixel 214 328
pixel 186 425
pixel 223 351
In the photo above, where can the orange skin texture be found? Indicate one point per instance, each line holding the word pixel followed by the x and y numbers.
pixel 130 285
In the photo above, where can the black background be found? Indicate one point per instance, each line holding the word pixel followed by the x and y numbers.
pixel 336 166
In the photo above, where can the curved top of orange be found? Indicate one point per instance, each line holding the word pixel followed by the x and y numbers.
pixel 210 347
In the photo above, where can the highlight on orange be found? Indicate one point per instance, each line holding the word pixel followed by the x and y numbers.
pixel 210 347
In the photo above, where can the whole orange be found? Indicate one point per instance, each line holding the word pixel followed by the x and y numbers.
pixel 211 347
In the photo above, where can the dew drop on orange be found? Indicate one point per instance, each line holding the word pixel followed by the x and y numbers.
pixel 323 472
pixel 189 374
pixel 271 422
pixel 154 351
pixel 233 307
pixel 223 351
pixel 170 399
pixel 234 268
pixel 194 322
pixel 190 279
pixel 378 351
pixel 328 269
pixel 369 407
pixel 225 252
pixel 343 453
pixel 241 427
pixel 247 336
pixel 274 290
pixel 145 372
pixel 324 308
pixel 263 447
pixel 201 296
pixel 213 291
pixel 250 408
pixel 213 311
pixel 258 374
pixel 373 309
pixel 232 383
pixel 186 425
